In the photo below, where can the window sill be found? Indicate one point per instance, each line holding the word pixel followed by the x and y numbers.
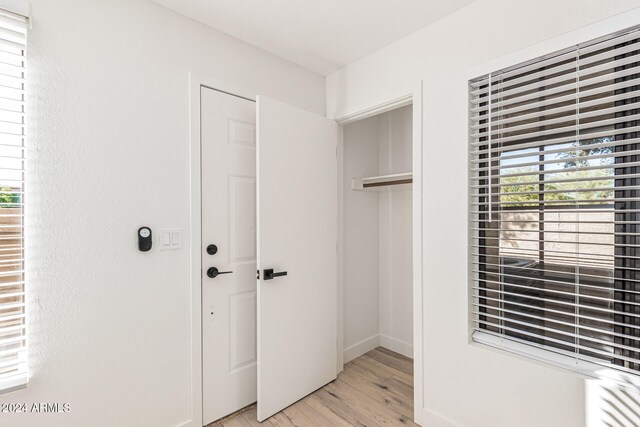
pixel 14 383
pixel 558 359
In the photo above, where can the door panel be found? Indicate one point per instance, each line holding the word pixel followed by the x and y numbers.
pixel 297 232
pixel 242 329
pixel 228 221
pixel 242 218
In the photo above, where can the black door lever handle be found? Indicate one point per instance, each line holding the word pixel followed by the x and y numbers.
pixel 213 272
pixel 270 274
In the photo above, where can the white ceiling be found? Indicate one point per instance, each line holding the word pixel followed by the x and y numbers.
pixel 321 35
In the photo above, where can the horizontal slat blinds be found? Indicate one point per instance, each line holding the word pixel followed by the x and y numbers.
pixel 13 366
pixel 555 203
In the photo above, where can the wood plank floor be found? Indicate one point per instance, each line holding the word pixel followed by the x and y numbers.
pixel 374 390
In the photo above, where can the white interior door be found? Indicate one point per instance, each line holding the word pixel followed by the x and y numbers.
pixel 297 233
pixel 228 222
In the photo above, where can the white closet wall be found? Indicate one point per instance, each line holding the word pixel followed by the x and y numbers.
pixel 377 235
pixel 360 241
pixel 395 246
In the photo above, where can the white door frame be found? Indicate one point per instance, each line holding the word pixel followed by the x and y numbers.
pixel 196 82
pixel 411 98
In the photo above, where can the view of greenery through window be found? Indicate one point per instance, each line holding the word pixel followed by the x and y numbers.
pixel 9 197
pixel 564 185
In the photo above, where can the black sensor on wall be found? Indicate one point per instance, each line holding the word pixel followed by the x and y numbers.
pixel 144 239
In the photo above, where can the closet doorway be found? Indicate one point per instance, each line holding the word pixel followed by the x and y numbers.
pixel 380 239
pixel 377 201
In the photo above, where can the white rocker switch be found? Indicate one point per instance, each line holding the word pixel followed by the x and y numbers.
pixel 171 238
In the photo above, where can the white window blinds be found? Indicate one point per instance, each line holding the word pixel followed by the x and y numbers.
pixel 13 366
pixel 555 205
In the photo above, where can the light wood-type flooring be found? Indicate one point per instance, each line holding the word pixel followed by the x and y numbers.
pixel 376 389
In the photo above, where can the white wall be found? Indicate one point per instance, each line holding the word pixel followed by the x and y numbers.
pixel 395 130
pixel 377 237
pixel 466 385
pixel 361 299
pixel 109 135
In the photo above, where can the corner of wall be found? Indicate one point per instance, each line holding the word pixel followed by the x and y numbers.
pixel 360 348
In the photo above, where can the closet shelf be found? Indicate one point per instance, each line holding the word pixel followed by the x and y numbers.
pixel 382 182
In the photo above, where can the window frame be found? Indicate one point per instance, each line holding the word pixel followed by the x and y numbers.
pixel 609 29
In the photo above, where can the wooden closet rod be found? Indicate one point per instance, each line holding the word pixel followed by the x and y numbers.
pixel 386 183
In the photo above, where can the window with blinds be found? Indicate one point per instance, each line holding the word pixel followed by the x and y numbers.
pixel 555 205
pixel 13 366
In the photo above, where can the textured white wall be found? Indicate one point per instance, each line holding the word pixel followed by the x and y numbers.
pixel 466 385
pixel 109 136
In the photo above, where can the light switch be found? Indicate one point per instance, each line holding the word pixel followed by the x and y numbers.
pixel 175 238
pixel 171 238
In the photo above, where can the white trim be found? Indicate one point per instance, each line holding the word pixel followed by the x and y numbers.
pixel 195 254
pixel 584 368
pixel 14 383
pixel 222 86
pixel 394 344
pixel 380 340
pixel 340 251
pixel 418 246
pixel 376 109
pixel 433 419
pixel 19 7
pixel 196 82
pixel 360 348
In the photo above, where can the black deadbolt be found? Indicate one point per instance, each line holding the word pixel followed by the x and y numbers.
pixel 212 249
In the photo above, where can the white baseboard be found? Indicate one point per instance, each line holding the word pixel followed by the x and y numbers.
pixel 190 423
pixel 433 419
pixel 404 348
pixel 360 348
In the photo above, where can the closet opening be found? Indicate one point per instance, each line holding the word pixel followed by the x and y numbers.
pixel 376 214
